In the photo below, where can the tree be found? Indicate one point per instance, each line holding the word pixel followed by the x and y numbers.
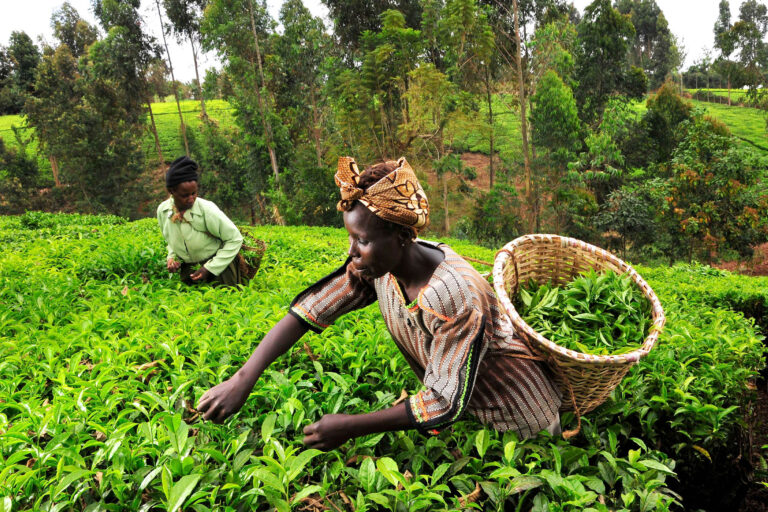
pixel 602 67
pixel 556 128
pixel 129 66
pixel 714 202
pixel 749 35
pixel 630 212
pixel 173 81
pixel 70 29
pixel 81 117
pixel 725 42
pixel 223 27
pixel 389 56
pixel 653 49
pixel 665 110
pixel 352 18
pixel 185 16
pixel 23 57
pixel 9 102
pixel 469 45
pixel 301 51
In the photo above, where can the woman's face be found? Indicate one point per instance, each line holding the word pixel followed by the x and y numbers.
pixel 374 248
pixel 184 195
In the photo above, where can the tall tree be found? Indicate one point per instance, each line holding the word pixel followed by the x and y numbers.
pixel 653 49
pixel 749 34
pixel 9 103
pixel 725 43
pixel 352 18
pixel 137 50
pixel 470 54
pixel 301 49
pixel 224 27
pixel 556 128
pixel 602 67
pixel 523 117
pixel 389 56
pixel 70 29
pixel 185 16
pixel 173 80
pixel 25 57
pixel 82 117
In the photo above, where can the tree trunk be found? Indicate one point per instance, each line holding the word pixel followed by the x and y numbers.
pixel 490 124
pixel 55 170
pixel 154 133
pixel 729 90
pixel 199 85
pixel 523 120
pixel 262 106
pixel 445 203
pixel 173 79
pixel 316 127
pixel 536 196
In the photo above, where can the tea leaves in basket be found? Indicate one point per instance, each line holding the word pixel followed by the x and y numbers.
pixel 597 313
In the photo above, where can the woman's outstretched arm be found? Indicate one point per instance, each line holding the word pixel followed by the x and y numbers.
pixel 225 399
pixel 333 430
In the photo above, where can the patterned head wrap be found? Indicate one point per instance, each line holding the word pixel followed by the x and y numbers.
pixel 397 197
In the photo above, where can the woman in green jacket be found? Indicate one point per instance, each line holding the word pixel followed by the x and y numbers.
pixel 203 243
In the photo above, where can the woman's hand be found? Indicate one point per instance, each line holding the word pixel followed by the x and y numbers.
pixel 172 265
pixel 200 274
pixel 330 432
pixel 224 400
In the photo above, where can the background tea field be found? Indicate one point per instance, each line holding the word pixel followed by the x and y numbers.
pixel 103 356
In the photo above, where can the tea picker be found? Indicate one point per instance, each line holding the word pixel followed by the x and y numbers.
pixel 204 245
pixel 442 314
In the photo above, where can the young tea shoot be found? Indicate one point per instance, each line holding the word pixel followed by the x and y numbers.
pixel 598 313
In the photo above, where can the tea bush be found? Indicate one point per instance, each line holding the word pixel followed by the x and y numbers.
pixel 103 356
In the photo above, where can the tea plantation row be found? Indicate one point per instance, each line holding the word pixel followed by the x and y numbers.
pixel 103 356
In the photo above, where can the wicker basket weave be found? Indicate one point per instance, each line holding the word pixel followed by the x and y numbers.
pixel 588 379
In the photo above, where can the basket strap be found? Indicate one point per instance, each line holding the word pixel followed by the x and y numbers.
pixel 554 365
pixel 525 356
pixel 477 261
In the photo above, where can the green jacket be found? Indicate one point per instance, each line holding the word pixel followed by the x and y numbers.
pixel 208 236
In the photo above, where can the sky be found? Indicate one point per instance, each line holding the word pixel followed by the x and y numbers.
pixel 690 20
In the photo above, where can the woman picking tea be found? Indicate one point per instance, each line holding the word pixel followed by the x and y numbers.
pixel 442 315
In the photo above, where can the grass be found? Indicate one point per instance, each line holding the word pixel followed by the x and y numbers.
pixel 166 119
pixel 746 123
pixel 737 95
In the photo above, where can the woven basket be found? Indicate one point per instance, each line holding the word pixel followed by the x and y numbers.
pixel 251 253
pixel 588 379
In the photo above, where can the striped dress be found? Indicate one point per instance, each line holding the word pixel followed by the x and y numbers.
pixel 456 338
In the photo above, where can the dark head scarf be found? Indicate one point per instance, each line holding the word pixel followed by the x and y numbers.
pixel 182 169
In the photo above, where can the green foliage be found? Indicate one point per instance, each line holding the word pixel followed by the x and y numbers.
pixel 103 356
pixel 70 29
pixel 18 176
pixel 713 202
pixel 665 111
pixel 555 119
pixel 602 69
pixel 654 48
pixel 495 219
pixel 596 313
pixel 631 213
